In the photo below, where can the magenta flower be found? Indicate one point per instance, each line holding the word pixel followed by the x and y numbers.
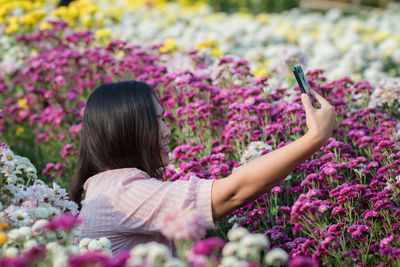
pixel 208 246
pixel 65 221
pixel 64 152
pixel 322 208
pixel 300 261
pixel 276 189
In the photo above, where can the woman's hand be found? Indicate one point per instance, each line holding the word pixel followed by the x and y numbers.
pixel 320 121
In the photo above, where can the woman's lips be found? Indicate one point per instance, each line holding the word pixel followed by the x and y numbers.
pixel 165 149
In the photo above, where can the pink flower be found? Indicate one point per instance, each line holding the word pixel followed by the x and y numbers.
pixel 300 261
pixel 60 80
pixel 186 224
pixel 64 151
pixel 276 189
pixel 65 221
pixel 323 208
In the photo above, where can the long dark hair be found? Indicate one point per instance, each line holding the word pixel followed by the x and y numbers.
pixel 119 130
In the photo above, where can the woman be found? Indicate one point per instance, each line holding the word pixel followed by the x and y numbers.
pixel 124 149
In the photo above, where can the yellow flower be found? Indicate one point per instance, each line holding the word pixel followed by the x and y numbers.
pixel 169 46
pixel 217 17
pixel 262 18
pixel 12 25
pixel 381 36
pixel 3 238
pixel 137 4
pixel 209 44
pixel 19 131
pixel 206 44
pixel 103 36
pixel 356 26
pixel 120 54
pixel 215 52
pixel 60 12
pixel 260 72
pixel 4 226
pixel 114 14
pixel 45 26
pixel 23 103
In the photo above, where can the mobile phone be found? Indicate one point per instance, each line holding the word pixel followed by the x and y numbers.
pixel 301 80
pixel 303 84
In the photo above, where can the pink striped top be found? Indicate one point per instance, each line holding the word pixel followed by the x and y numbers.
pixel 128 206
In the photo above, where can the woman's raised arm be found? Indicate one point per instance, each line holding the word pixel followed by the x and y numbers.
pixel 262 174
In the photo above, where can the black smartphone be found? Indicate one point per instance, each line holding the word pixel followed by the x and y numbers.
pixel 303 84
pixel 301 80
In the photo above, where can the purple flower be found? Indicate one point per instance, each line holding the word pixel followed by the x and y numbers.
pixel 64 151
pixel 91 257
pixel 276 189
pixel 65 221
pixel 323 208
pixel 300 261
pixel 207 246
pixel 367 214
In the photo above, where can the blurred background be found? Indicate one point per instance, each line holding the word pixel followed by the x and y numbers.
pixel 260 6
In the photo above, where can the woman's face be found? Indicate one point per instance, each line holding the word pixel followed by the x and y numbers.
pixel 164 134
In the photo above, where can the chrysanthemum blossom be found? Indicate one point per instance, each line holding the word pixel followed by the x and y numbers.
pixel 276 255
pixel 237 234
pixel 186 224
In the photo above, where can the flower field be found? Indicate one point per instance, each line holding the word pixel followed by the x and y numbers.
pixel 229 96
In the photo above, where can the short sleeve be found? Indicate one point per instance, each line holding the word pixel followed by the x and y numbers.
pixel 145 201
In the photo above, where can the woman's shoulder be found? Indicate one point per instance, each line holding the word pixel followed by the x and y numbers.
pixel 116 177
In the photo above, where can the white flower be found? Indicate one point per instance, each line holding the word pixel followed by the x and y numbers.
pixel 50 236
pixel 254 241
pixel 94 245
pixel 38 182
pixel 232 261
pixel 138 254
pixel 237 233
pixel 73 249
pixel 25 231
pixel 157 252
pixel 84 242
pixel 13 234
pixel 11 252
pixel 18 194
pixel 11 176
pixel 61 235
pixel 30 244
pixel 76 232
pixel 277 255
pixel 230 249
pixel 105 242
pixel 54 211
pixel 39 224
pixel 24 161
pixel 58 254
pixel 248 253
pixel 59 191
pixel 41 212
pixel 173 262
pixel 20 218
pixel 53 246
pixel 8 158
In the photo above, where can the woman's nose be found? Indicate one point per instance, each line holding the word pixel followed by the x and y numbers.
pixel 166 132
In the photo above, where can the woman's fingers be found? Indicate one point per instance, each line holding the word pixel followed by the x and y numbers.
pixel 322 101
pixel 306 102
